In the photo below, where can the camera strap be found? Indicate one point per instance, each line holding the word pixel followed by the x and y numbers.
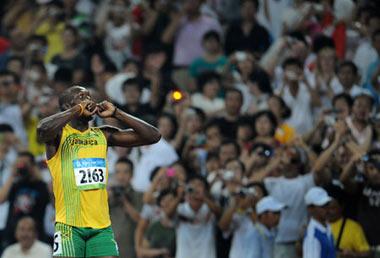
pixel 340 233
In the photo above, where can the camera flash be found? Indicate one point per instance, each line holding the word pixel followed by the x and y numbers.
pixel 177 95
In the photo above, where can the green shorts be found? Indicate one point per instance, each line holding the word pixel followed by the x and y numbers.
pixel 70 241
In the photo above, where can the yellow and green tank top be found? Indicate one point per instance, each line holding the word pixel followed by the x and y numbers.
pixel 79 173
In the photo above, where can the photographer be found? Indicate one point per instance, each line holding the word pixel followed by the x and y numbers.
pixel 164 178
pixel 224 182
pixel 26 193
pixel 321 136
pixel 364 184
pixel 239 219
pixel 196 218
pixel 257 160
pixel 125 204
pixel 359 122
pixel 291 186
pixel 159 240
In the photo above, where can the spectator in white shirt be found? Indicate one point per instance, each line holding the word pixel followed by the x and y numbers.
pixel 291 188
pixel 359 122
pixel 323 79
pixel 270 15
pixel 27 245
pixel 319 241
pixel 366 54
pixel 117 29
pixel 249 239
pixel 297 96
pixel 207 98
pixel 195 230
pixel 152 156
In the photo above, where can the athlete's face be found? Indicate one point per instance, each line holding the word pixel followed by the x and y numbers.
pixel 81 95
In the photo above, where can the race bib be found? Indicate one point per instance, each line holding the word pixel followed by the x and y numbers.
pixel 57 246
pixel 90 173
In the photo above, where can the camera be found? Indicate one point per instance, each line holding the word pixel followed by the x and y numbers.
pixel 228 175
pixel 291 75
pixel 200 139
pixel 375 119
pixel 367 159
pixel 244 191
pixel 170 172
pixel 118 191
pixel 240 56
pixel 291 40
pixel 266 153
pixel 174 184
pixel 190 189
pixel 23 171
pixel 171 175
pixel 263 150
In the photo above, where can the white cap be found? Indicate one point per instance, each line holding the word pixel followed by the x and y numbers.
pixel 362 91
pixel 317 196
pixel 268 203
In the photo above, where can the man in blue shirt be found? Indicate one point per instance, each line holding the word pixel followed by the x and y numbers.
pixel 319 241
pixel 263 234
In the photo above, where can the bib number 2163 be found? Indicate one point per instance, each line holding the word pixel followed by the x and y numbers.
pixel 90 173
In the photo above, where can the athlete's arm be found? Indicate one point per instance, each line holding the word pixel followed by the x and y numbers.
pixel 141 133
pixel 49 128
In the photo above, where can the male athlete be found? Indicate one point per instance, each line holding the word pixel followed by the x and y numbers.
pixel 76 156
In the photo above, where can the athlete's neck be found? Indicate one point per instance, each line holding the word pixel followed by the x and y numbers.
pixel 80 125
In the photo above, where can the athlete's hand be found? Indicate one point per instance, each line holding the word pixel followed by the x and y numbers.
pixel 90 108
pixel 106 109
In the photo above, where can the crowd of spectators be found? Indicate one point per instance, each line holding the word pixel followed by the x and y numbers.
pixel 268 111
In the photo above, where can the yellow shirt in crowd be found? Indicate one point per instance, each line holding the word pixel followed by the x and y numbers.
pixel 353 238
pixel 285 133
pixel 35 147
pixel 53 34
